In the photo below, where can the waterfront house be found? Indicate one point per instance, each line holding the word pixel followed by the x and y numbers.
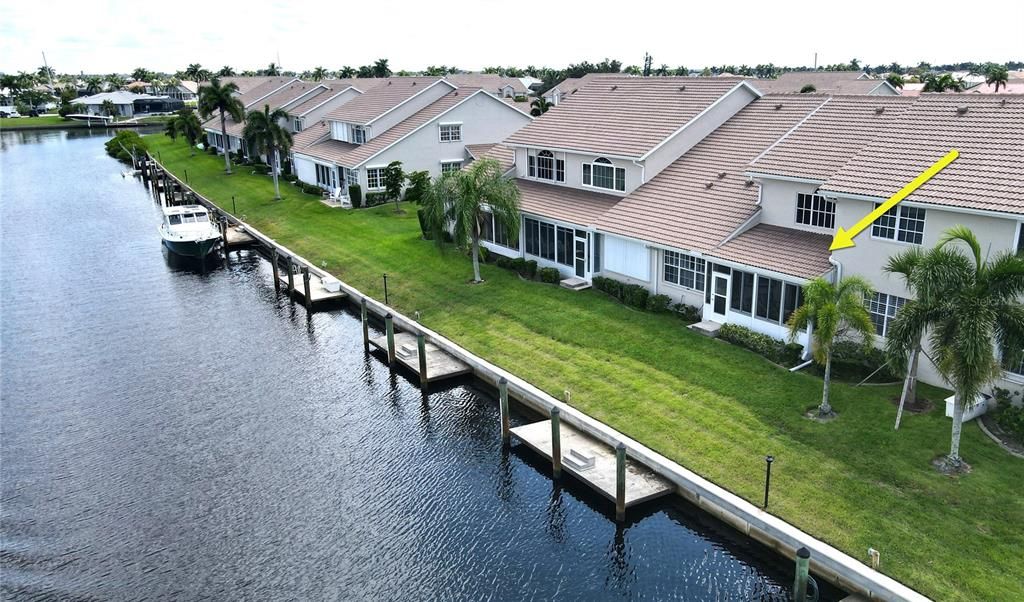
pixel 129 104
pixel 424 122
pixel 275 92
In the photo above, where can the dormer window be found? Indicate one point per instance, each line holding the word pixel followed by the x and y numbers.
pixel 358 135
pixel 545 165
pixel 603 174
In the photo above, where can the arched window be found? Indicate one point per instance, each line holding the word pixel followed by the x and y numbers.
pixel 603 174
pixel 602 160
pixel 545 165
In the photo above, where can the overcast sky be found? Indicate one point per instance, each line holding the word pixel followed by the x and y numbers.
pixel 117 36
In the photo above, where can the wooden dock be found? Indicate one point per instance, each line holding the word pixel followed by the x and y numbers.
pixel 238 237
pixel 642 484
pixel 440 365
pixel 317 292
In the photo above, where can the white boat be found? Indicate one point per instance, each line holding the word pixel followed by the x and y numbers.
pixel 187 230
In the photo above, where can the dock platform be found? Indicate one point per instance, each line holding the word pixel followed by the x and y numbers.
pixel 440 365
pixel 238 237
pixel 641 483
pixel 317 292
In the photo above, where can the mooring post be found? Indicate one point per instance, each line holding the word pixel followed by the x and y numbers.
pixel 620 482
pixel 389 326
pixel 277 273
pixel 186 176
pixel 556 443
pixel 503 405
pixel 421 351
pixel 291 274
pixel 224 233
pixel 803 564
pixel 366 327
pixel 305 287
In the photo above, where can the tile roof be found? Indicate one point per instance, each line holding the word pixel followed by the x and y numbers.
pixel 677 209
pixel 275 101
pixel 245 84
pixel 623 116
pixel 563 203
pixel 824 82
pixel 986 129
pixel 569 84
pixel 821 144
pixel 383 97
pixel 268 87
pixel 783 250
pixel 477 151
pixel 311 140
pixel 488 81
pixel 504 155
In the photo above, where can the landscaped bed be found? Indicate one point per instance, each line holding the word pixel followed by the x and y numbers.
pixel 717 409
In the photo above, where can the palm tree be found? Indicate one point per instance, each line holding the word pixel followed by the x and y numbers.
pixel 226 71
pixel 904 264
pixel 380 68
pixel 808 89
pixel 974 308
pixel 107 107
pixel 264 132
pixel 115 81
pixel 941 83
pixel 319 74
pixel 460 200
pixel 188 125
pixel 193 71
pixel 346 72
pixel 272 69
pixel 539 106
pixel 895 80
pixel 93 84
pixel 832 311
pixel 141 74
pixel 215 98
pixel 996 75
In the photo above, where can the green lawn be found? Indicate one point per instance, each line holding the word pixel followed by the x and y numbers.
pixel 56 121
pixel 714 408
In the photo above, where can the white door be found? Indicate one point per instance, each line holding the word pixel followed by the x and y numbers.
pixel 580 254
pixel 719 295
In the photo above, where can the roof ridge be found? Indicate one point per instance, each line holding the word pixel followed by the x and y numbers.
pixel 790 131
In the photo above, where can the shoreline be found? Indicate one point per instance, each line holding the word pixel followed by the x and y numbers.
pixel 73 125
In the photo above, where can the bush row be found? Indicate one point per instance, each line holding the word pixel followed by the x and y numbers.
pixel 1010 418
pixel 778 351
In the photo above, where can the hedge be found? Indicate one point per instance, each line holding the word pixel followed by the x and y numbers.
pixel 355 194
pixel 376 198
pixel 550 275
pixel 774 349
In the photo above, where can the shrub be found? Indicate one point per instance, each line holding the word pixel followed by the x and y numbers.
pixel 424 230
pixel 123 144
pixel 520 98
pixel 635 295
pixel 211 150
pixel 312 189
pixel 529 269
pixel 418 183
pixel 689 313
pixel 376 198
pixel 355 194
pixel 550 275
pixel 70 108
pixel 261 169
pixel 774 349
pixel 608 285
pixel 503 262
pixel 853 359
pixel 1011 419
pixel 519 264
pixel 658 303
pixel 290 177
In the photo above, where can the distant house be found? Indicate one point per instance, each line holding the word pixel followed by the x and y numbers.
pixel 571 85
pixel 504 87
pixel 129 104
pixel 826 82
pixel 427 123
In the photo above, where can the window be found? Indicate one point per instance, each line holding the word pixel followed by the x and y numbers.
pixel 298 124
pixel 742 292
pixel 451 132
pixel 685 270
pixel 815 210
pixel 769 299
pixel 375 178
pixel 901 223
pixel 174 220
pixel 602 174
pixel 326 176
pixel 351 177
pixel 1020 238
pixel 492 231
pixel 358 135
pixel 883 309
pixel 202 217
pixel 566 245
pixel 545 165
pixel 548 241
pixel 450 166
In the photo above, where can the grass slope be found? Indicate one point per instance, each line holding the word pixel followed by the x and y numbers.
pixel 714 408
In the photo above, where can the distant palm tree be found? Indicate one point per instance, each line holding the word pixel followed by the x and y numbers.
pixel 115 81
pixel 107 107
pixel 539 106
pixel 171 128
pixel 141 74
pixel 319 74
pixel 193 72
pixel 808 89
pixel 188 125
pixel 346 72
pixel 380 68
pixel 974 309
pixel 836 311
pixel 459 201
pixel 226 71
pixel 93 84
pixel 272 69
pixel 45 74
pixel 934 82
pixel 996 75
pixel 895 80
pixel 215 98
pixel 263 131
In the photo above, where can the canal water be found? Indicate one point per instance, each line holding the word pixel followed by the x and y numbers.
pixel 170 432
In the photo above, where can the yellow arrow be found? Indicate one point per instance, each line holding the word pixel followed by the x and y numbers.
pixel 844 238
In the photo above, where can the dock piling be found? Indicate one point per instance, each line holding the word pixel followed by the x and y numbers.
pixel 620 482
pixel 224 233
pixel 421 350
pixel 503 404
pixel 305 288
pixel 803 562
pixel 366 327
pixel 389 326
pixel 291 274
pixel 556 443
pixel 277 273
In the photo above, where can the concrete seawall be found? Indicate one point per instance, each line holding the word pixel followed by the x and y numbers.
pixel 827 562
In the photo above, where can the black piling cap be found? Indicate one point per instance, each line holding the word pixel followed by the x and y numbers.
pixel 803 553
pixel 621 446
pixel 502 381
pixel 388 316
pixel 555 411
